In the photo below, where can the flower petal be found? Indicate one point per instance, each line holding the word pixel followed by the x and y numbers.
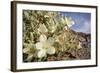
pixel 51 40
pixel 43 38
pixel 39 45
pixel 41 53
pixel 42 28
pixel 29 58
pixel 53 28
pixel 26 50
pixel 69 21
pixel 62 20
pixel 51 50
pixel 46 16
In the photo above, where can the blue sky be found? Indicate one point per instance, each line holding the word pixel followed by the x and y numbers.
pixel 82 21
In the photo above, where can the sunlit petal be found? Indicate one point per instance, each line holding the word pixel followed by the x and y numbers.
pixel 51 50
pixel 26 50
pixel 41 53
pixel 39 45
pixel 46 16
pixel 53 29
pixel 68 22
pixel 42 28
pixel 43 38
pixel 62 20
pixel 51 40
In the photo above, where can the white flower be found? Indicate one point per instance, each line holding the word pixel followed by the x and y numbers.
pixel 68 21
pixel 45 47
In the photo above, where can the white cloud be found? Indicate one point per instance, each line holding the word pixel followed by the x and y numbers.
pixel 85 27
